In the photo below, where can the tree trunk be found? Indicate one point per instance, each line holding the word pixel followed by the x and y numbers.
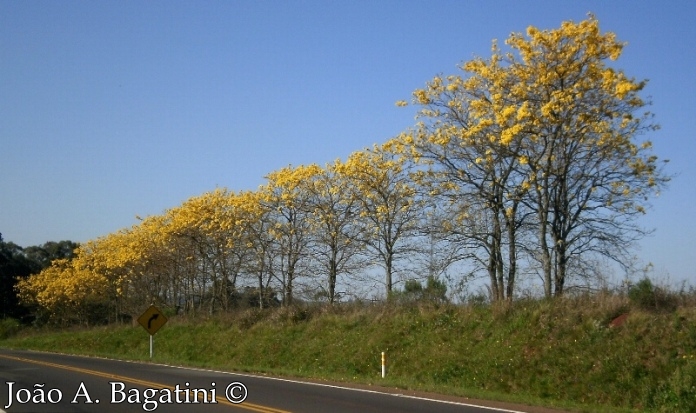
pixel 512 255
pixel 561 266
pixel 545 254
pixel 498 277
pixel 333 269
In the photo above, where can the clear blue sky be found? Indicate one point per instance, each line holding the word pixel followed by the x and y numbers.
pixel 110 109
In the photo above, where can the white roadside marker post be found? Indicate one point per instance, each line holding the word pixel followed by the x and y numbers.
pixel 384 365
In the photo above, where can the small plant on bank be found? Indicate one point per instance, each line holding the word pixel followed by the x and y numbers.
pixel 9 327
pixel 647 296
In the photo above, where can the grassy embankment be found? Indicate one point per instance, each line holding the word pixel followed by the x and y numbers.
pixel 560 353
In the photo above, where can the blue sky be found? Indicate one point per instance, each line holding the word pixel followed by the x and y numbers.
pixel 110 110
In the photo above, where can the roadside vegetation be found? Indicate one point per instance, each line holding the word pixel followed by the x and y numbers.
pixel 569 353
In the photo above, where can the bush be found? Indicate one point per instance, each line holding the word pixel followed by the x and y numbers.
pixel 649 297
pixel 9 327
pixel 435 291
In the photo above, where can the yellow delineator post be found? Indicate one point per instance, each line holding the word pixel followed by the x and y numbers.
pixel 152 320
pixel 384 365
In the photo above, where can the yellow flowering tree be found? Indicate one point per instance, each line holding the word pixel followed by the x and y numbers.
pixel 288 198
pixel 66 292
pixel 590 176
pixel 335 226
pixel 465 140
pixel 214 228
pixel 543 136
pixel 387 203
pixel 136 262
pixel 91 287
pixel 262 254
pixel 111 258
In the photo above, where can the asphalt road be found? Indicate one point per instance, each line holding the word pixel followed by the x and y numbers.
pixel 46 382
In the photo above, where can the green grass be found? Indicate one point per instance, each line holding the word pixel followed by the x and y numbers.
pixel 559 353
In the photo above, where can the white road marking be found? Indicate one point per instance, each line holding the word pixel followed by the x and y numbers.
pixel 497 409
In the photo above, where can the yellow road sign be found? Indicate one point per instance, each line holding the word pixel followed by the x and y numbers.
pixel 152 320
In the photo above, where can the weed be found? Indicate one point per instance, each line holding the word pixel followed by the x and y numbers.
pixel 677 393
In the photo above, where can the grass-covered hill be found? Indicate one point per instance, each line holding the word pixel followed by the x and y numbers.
pixel 570 353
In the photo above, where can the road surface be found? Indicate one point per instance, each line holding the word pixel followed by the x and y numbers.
pixel 47 382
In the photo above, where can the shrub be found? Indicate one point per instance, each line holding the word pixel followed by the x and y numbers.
pixel 649 297
pixel 435 291
pixel 9 327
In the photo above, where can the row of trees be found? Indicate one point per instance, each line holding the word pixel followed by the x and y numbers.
pixel 527 162
pixel 310 231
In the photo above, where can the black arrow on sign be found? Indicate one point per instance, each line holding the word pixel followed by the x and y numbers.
pixel 152 318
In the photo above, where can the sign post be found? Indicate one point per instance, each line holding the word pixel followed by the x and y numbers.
pixel 152 320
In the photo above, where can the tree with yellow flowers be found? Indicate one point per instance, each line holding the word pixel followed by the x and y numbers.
pixel 214 227
pixel 591 176
pixel 387 203
pixel 288 198
pixel 137 262
pixel 545 138
pixel 260 245
pixel 471 167
pixel 65 292
pixel 336 245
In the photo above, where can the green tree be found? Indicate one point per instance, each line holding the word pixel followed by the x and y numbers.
pixel 42 255
pixel 13 266
pixel 18 263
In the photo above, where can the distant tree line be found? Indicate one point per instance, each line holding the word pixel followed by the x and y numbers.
pixel 17 263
